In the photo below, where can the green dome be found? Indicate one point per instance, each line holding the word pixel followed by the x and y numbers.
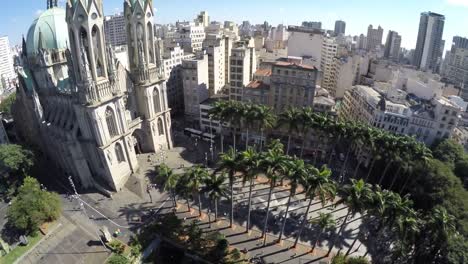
pixel 53 31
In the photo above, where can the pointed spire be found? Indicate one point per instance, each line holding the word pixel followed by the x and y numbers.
pixel 24 48
pixel 41 43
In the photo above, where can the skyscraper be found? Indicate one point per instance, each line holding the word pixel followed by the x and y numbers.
pixel 340 27
pixel 115 29
pixel 427 53
pixel 460 42
pixel 6 60
pixel 392 45
pixel 374 37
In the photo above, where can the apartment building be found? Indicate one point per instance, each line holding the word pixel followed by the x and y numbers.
pixel 190 36
pixel 306 43
pixel 242 66
pixel 401 113
pixel 216 51
pixel 115 29
pixel 195 83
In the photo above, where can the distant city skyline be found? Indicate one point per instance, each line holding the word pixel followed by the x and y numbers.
pixel 400 16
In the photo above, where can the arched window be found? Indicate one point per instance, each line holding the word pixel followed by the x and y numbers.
pixel 110 120
pixel 119 153
pixel 160 127
pixel 156 100
pixel 97 51
pixel 150 42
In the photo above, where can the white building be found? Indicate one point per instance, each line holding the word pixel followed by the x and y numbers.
pixel 115 30
pixel 427 120
pixel 242 66
pixel 306 43
pixel 329 52
pixel 374 37
pixel 7 70
pixel 203 19
pixel 195 82
pixel 172 61
pixel 190 36
pixel 214 46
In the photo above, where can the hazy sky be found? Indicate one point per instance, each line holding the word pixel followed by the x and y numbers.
pixel 398 15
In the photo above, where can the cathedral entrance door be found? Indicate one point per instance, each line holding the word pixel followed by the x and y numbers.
pixel 137 141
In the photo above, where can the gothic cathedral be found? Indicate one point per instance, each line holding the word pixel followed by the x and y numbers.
pixel 80 106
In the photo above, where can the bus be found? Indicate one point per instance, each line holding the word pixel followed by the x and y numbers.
pixel 193 133
pixel 209 137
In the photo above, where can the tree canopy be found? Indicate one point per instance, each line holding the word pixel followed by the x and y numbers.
pixel 5 105
pixel 15 164
pixel 32 207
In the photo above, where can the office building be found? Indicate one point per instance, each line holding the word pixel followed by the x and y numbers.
pixel 306 43
pixel 242 65
pixel 115 30
pixel 374 37
pixel 216 51
pixel 460 42
pixel 195 81
pixel 428 54
pixel 203 19
pixel 312 24
pixel 7 70
pixel 392 46
pixel 190 36
pixel 340 28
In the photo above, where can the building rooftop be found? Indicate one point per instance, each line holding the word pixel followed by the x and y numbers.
pixel 258 85
pixel 294 65
pixel 263 72
pixel 214 99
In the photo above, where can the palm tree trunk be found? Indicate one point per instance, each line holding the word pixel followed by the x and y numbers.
pixel 216 210
pixel 370 168
pixel 209 215
pixel 188 203
pixel 261 139
pixel 289 144
pixel 249 206
pixel 302 147
pixel 337 235
pixel 404 185
pixel 303 223
pixel 265 225
pixel 317 240
pixel 247 138
pixel 234 138
pixel 222 137
pixel 199 205
pixel 174 200
pixel 345 161
pixel 285 218
pixel 385 172
pixel 232 204
pixel 357 169
pixel 331 152
pixel 397 175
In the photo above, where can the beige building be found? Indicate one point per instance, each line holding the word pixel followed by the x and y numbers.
pixel 195 82
pixel 216 51
pixel 242 66
pixel 190 36
pixel 292 85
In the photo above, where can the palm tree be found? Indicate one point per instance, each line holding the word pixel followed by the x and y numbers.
pixel 249 115
pixel 230 163
pixel 266 120
pixel 307 121
pixel 353 134
pixel 272 164
pixel 196 176
pixel 251 166
pixel 220 113
pixel 338 130
pixel 325 222
pixel 356 196
pixel 295 172
pixel 440 227
pixel 215 188
pixel 317 184
pixel 169 181
pixel 291 119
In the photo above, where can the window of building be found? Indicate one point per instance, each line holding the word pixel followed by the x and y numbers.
pixel 119 153
pixel 156 100
pixel 110 120
pixel 160 127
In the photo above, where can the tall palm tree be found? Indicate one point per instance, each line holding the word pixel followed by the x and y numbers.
pixel 229 163
pixel 295 172
pixel 249 115
pixel 219 112
pixel 272 164
pixel 317 183
pixel 169 181
pixel 290 119
pixel 216 189
pixel 325 222
pixel 353 134
pixel 338 130
pixel 251 166
pixel 265 120
pixel 356 196
pixel 307 122
pixel 440 226
pixel 196 176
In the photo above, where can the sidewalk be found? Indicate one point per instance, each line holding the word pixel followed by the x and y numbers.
pixel 253 243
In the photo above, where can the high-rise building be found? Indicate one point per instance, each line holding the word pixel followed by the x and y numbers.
pixel 114 28
pixel 312 24
pixel 190 36
pixel 427 53
pixel 306 42
pixel 460 42
pixel 374 37
pixel 340 27
pixel 362 42
pixel 195 79
pixel 242 67
pixel 203 19
pixel 214 46
pixel 392 46
pixel 6 59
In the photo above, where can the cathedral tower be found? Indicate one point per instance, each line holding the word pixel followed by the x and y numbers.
pixel 144 61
